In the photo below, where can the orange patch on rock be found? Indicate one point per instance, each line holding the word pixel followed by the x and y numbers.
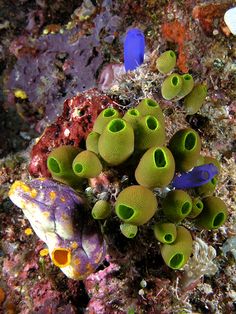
pixel 177 33
pixel 2 295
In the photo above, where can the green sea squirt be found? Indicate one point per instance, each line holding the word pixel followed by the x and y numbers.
pixel 171 86
pixel 177 205
pixel 177 253
pixel 214 213
pixel 185 146
pixel 59 163
pixel 149 132
pixel 136 205
pixel 166 61
pixel 148 106
pixel 87 165
pixel 165 232
pixel 195 99
pixel 116 143
pixel 156 167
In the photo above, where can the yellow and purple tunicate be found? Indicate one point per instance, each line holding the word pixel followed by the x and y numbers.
pixel 185 146
pixel 156 168
pixel 195 99
pixel 165 232
pixel 59 218
pixel 59 163
pixel 136 205
pixel 214 213
pixel 177 205
pixel 171 86
pixel 116 143
pixel 87 165
pixel 166 61
pixel 177 253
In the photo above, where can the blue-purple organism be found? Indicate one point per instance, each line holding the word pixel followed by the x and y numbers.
pixel 134 47
pixel 196 177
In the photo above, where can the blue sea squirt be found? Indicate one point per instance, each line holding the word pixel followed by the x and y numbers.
pixel 134 47
pixel 59 217
pixel 196 177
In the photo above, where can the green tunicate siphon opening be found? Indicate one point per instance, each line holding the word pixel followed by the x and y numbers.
pixel 187 77
pixel 190 141
pixel 78 168
pixel 168 238
pixel 218 220
pixel 151 123
pixel 125 212
pixel 53 165
pixel 151 103
pixel 109 112
pixel 133 112
pixel 116 125
pixel 175 80
pixel 185 208
pixel 159 158
pixel 199 205
pixel 177 260
pixel 213 181
pixel 172 54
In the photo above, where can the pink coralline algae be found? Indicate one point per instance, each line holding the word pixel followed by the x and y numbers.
pixel 71 128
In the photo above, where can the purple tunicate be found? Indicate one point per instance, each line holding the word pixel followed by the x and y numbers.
pixel 134 47
pixel 196 177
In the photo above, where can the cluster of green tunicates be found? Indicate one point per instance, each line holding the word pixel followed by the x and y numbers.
pixel 137 140
pixel 70 165
pixel 176 86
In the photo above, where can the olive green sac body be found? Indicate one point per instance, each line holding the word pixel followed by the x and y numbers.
pixel 132 116
pixel 116 143
pixel 128 230
pixel 171 86
pixel 87 165
pixel 92 142
pixel 187 86
pixel 194 100
pixel 104 118
pixel 214 213
pixel 135 205
pixel 59 163
pixel 177 205
pixel 177 253
pixel 185 146
pixel 101 209
pixel 165 232
pixel 208 188
pixel 197 207
pixel 156 168
pixel 149 132
pixel 166 62
pixel 149 106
